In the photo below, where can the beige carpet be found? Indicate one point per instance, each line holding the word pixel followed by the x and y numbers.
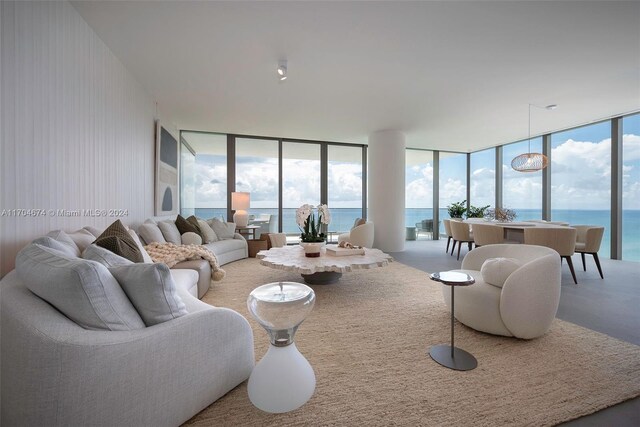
pixel 367 340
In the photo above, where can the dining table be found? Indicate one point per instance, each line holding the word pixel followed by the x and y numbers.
pixel 514 231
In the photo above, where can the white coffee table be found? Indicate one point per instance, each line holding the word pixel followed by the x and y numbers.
pixel 325 269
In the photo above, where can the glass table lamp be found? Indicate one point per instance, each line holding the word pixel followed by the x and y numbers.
pixel 283 380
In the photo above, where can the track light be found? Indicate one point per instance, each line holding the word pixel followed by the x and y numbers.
pixel 282 70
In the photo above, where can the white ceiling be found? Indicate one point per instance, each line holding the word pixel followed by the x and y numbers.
pixel 451 75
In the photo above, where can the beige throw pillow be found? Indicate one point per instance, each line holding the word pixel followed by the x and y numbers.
pixel 208 235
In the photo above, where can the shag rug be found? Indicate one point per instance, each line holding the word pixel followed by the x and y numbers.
pixel 367 340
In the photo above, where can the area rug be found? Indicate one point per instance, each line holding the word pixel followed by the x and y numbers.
pixel 367 340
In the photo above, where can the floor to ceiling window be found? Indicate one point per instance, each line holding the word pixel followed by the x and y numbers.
pixel 344 182
pixel 521 191
pixel 418 186
pixel 483 178
pixel 631 188
pixel 452 182
pixel 204 177
pixel 257 174
pixel 581 178
pixel 300 181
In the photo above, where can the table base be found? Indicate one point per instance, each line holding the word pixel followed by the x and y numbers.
pixel 461 360
pixel 322 278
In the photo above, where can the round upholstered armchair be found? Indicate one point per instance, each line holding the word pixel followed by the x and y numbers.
pixel 516 293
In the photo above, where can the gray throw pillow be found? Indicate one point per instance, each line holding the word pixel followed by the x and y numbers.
pixel 222 230
pixel 49 242
pixel 104 256
pixel 62 237
pixel 152 291
pixel 82 238
pixel 208 235
pixel 151 233
pixel 82 290
pixel 170 232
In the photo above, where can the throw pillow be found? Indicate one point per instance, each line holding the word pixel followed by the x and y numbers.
pixel 222 230
pixel 152 291
pixel 82 238
pixel 104 256
pixel 62 237
pixel 190 238
pixel 185 226
pixel 117 239
pixel 151 233
pixel 170 232
pixel 359 221
pixel 82 290
pixel 208 235
pixel 93 230
pixel 63 249
pixel 145 255
pixel 495 271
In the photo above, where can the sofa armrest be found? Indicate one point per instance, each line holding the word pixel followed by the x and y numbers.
pixel 204 273
pixel 239 236
pixel 530 297
pixel 56 373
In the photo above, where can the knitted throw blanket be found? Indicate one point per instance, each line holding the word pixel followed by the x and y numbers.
pixel 171 254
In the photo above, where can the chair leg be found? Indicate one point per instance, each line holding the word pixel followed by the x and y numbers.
pixel 584 266
pixel 459 246
pixel 573 272
pixel 470 244
pixel 448 241
pixel 453 247
pixel 595 257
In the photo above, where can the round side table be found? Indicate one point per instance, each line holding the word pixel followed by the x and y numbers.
pixel 448 355
pixel 283 380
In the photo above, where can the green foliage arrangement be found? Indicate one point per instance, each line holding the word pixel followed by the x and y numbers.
pixel 475 212
pixel 457 210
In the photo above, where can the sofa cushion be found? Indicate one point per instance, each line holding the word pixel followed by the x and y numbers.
pixel 62 237
pixel 191 239
pixel 117 239
pixel 151 289
pixel 82 238
pixel 104 256
pixel 145 255
pixel 208 235
pixel 224 230
pixel 49 242
pixel 495 271
pixel 82 290
pixel 224 246
pixel 185 226
pixel 150 233
pixel 93 230
pixel 170 232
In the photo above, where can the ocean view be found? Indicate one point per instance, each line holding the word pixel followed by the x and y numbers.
pixel 342 220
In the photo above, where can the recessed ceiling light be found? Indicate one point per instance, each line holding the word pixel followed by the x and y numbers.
pixel 282 69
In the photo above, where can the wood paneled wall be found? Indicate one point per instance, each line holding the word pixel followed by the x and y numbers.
pixel 77 129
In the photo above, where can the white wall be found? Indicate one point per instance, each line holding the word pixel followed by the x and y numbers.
pixel 77 128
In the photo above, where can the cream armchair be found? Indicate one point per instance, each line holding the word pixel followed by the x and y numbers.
pixel 560 239
pixel 361 235
pixel 525 305
pixel 588 242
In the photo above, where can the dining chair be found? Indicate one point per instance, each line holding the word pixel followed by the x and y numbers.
pixel 461 234
pixel 487 234
pixel 447 230
pixel 588 242
pixel 561 239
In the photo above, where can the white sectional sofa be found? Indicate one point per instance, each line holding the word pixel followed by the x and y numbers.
pixel 57 373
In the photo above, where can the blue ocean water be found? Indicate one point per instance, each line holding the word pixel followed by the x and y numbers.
pixel 342 220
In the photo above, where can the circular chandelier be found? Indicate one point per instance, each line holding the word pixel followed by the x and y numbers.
pixel 531 162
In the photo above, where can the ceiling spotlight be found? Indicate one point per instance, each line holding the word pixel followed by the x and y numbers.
pixel 282 70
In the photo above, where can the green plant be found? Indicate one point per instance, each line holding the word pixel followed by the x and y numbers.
pixel 475 212
pixel 310 225
pixel 456 210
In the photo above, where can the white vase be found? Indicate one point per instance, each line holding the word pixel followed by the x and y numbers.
pixel 312 249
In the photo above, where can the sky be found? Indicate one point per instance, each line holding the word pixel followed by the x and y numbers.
pixel 580 176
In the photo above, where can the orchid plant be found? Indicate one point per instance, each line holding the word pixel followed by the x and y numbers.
pixel 310 225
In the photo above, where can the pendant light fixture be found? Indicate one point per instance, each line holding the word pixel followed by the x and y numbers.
pixel 531 162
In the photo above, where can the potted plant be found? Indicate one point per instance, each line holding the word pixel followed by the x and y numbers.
pixel 475 212
pixel 312 237
pixel 456 210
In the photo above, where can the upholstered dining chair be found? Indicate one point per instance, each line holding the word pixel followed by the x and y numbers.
pixel 487 234
pixel 461 234
pixel 447 231
pixel 588 242
pixel 560 239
